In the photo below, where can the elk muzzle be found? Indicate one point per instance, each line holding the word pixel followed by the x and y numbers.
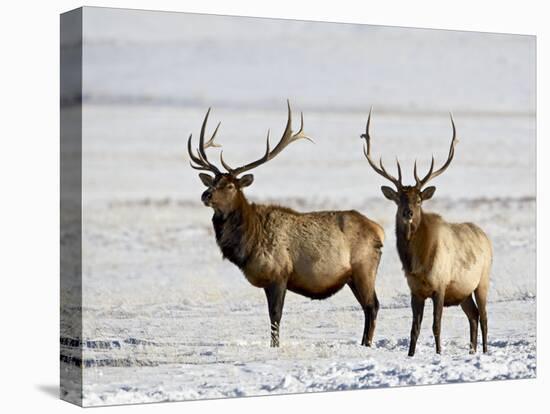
pixel 206 197
pixel 407 215
pixel 407 220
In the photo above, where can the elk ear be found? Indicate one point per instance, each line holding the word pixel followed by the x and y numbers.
pixel 246 180
pixel 427 193
pixel 206 179
pixel 389 193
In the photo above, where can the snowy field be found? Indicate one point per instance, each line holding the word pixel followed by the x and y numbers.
pixel 165 318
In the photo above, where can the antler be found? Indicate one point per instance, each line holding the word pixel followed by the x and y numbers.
pixel 431 173
pixel 201 160
pixel 380 170
pixel 287 138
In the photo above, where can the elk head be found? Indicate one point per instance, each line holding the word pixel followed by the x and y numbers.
pixel 408 198
pixel 224 189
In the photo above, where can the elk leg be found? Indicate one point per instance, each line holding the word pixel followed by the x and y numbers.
pixel 356 294
pixel 438 300
pixel 417 305
pixel 373 313
pixel 275 294
pixel 370 312
pixel 481 300
pixel 470 309
pixel 362 286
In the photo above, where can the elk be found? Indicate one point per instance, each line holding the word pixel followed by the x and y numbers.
pixel 447 262
pixel 278 249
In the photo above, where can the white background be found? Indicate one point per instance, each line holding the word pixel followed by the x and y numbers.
pixel 29 227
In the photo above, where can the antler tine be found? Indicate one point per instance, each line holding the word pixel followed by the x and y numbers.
pixel 201 164
pixel 201 159
pixel 196 167
pixel 380 170
pixel 382 167
pixel 421 182
pixel 287 138
pixel 210 142
pixel 300 134
pixel 193 157
pixel 399 177
pixel 197 159
pixel 431 174
pixel 227 167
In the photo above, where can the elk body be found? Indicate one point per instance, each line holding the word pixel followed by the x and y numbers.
pixel 447 262
pixel 278 249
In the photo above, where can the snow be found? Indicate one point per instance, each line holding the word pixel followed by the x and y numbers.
pixel 229 356
pixel 166 319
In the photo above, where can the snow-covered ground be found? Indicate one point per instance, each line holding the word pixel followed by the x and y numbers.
pixel 196 329
pixel 165 318
pixel 171 352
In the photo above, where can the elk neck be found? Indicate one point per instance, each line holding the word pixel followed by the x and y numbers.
pixel 416 251
pixel 237 231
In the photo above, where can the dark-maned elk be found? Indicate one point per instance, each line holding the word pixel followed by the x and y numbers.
pixel 313 254
pixel 447 262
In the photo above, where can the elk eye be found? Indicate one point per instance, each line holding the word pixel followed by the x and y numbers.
pixel 230 186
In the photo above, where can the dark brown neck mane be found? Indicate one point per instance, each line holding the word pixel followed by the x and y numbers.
pixel 420 243
pixel 403 248
pixel 237 231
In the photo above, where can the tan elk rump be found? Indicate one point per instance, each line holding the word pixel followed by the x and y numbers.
pixel 313 254
pixel 447 262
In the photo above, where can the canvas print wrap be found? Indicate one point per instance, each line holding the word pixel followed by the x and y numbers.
pixel 305 258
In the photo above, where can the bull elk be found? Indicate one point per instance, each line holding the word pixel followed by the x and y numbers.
pixel 447 262
pixel 278 249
